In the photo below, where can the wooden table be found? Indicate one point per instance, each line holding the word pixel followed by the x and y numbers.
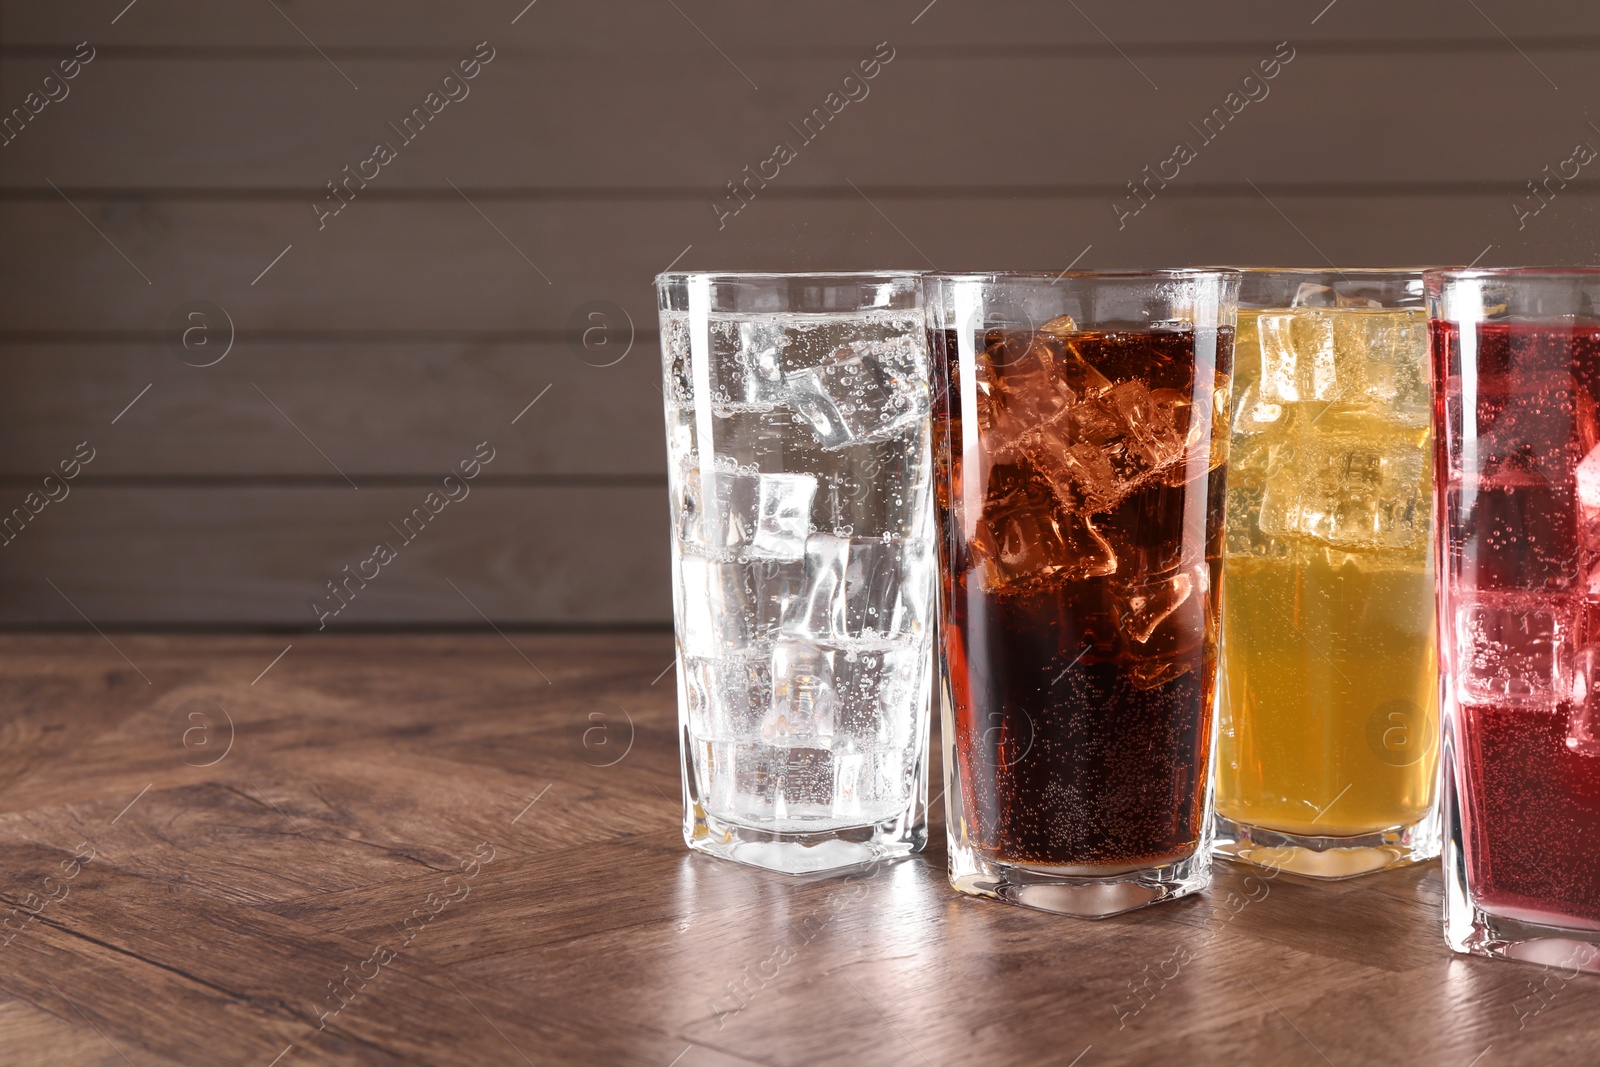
pixel 477 840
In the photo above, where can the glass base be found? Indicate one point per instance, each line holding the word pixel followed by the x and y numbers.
pixel 1328 858
pixel 1477 933
pixel 824 851
pixel 1071 891
pixel 1545 939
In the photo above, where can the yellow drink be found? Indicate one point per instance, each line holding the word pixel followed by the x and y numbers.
pixel 1328 705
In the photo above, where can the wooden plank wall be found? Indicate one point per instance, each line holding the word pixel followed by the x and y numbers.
pixel 379 346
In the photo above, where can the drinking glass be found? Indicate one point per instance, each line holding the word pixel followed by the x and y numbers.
pixel 1080 492
pixel 803 565
pixel 1327 753
pixel 1516 356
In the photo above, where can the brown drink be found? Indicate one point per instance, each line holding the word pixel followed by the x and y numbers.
pixel 1080 586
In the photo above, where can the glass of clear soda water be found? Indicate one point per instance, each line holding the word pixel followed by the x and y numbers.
pixel 803 563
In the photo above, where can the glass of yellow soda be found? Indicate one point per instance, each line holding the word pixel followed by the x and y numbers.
pixel 1327 741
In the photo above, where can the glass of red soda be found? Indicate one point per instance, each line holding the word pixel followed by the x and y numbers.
pixel 1516 364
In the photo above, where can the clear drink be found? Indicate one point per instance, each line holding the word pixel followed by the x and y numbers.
pixel 797 434
pixel 1327 760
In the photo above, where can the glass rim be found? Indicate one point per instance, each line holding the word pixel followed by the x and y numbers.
pixel 1041 275
pixel 1342 272
pixel 1531 273
pixel 846 276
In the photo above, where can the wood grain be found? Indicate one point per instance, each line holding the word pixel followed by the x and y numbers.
pixel 222 901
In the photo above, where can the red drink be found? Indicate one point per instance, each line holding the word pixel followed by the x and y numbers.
pixel 1520 514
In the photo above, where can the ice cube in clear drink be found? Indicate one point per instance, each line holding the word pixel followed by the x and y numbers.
pixel 867 391
pixel 783 515
pixel 875 687
pixel 731 604
pixel 717 513
pixel 803 702
pixel 760 359
pixel 728 696
pixel 852 587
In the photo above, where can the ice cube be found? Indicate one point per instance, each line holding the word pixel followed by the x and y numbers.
pixel 725 522
pixel 680 436
pixel 1253 416
pixel 1583 729
pixel 783 515
pixel 745 361
pixel 760 359
pixel 1208 430
pixel 1164 619
pixel 1027 381
pixel 852 587
pixel 1583 721
pixel 1244 534
pixel 677 374
pixel 1146 602
pixel 918 568
pixel 803 702
pixel 730 605
pixel 755 780
pixel 728 698
pixel 1106 446
pixel 1297 357
pixel 1348 491
pixel 804 782
pixel 750 514
pixel 852 782
pixel 1080 473
pixel 1026 541
pixel 1514 649
pixel 868 391
pixel 1386 353
pixel 1310 294
pixel 876 689
pixel 1588 481
pixel 1260 435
